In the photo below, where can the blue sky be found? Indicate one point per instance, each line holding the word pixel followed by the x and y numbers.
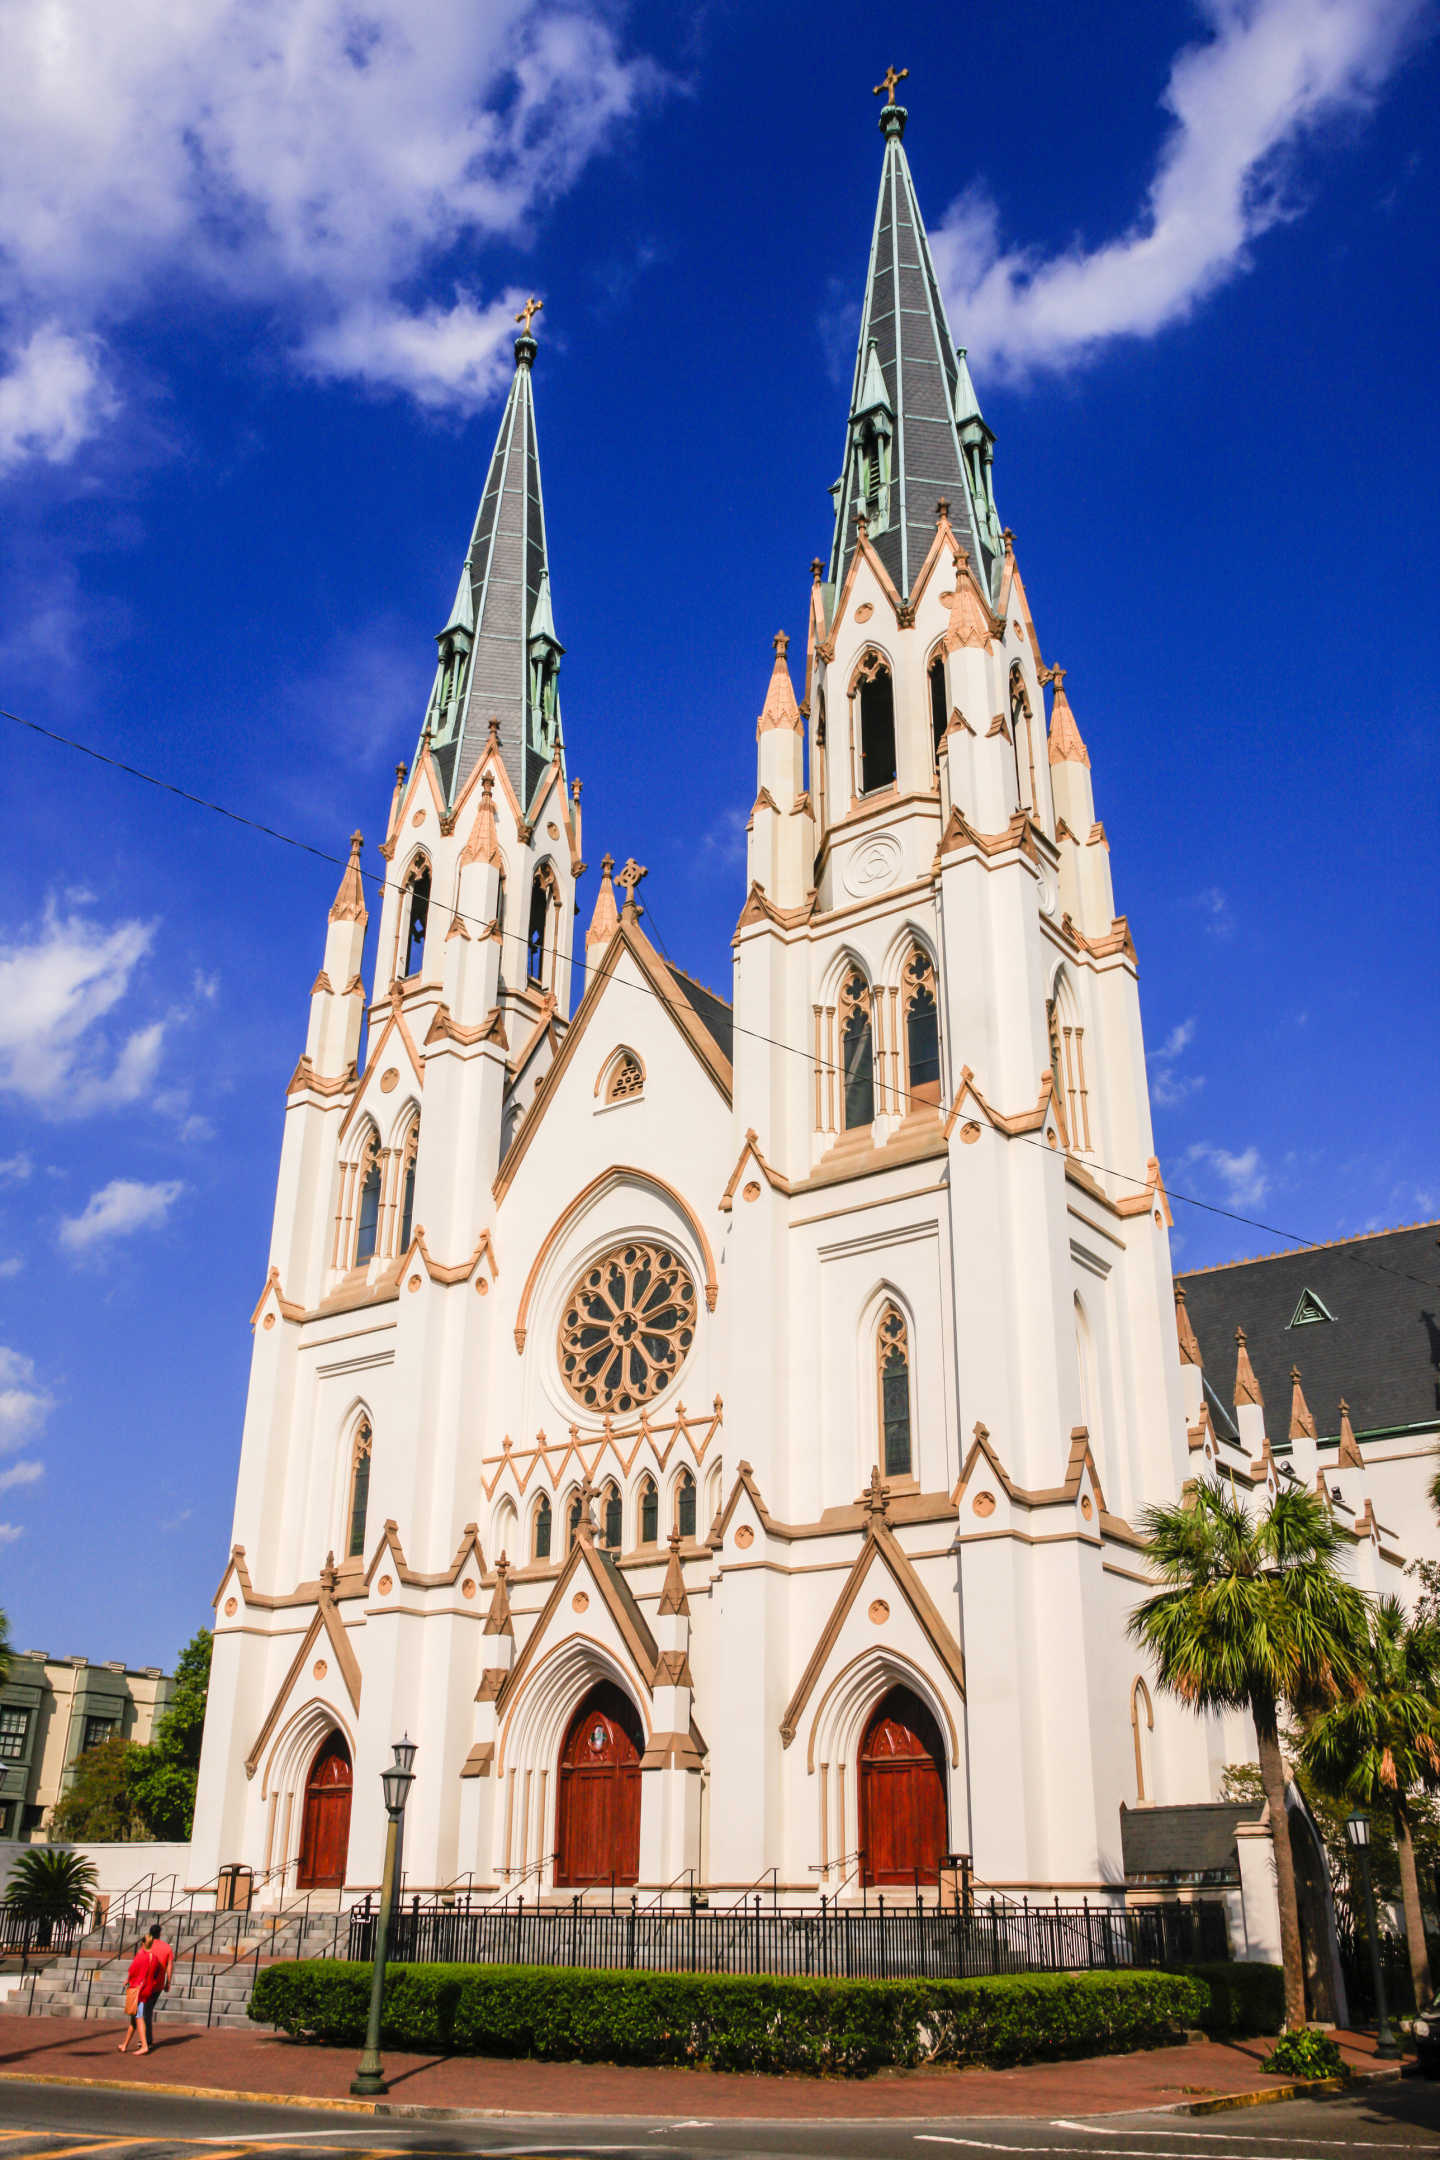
pixel 258 265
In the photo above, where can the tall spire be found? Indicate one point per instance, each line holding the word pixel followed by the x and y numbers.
pixel 915 429
pixel 499 655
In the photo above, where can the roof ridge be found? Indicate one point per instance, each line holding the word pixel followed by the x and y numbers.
pixel 686 976
pixel 1296 1252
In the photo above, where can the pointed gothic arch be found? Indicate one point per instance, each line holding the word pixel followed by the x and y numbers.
pixel 325 1816
pixel 357 1487
pixel 1022 741
pixel 414 916
pixel 857 1052
pixel 647 1511
pixel 937 686
pixel 612 1517
pixel 1142 1726
pixel 542 927
pixel 872 708
pixel 1067 1061
pixel 407 1157
pixel 542 1529
pixel 505 1528
pixel 895 1393
pixel 903 1802
pixel 365 1181
pixel 920 1005
pixel 683 1502
pixel 622 1076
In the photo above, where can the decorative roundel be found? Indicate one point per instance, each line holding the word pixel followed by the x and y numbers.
pixel 626 1327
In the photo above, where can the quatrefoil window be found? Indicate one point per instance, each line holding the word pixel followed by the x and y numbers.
pixel 626 1327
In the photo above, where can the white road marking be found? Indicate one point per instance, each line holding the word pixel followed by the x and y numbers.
pixel 1255 2137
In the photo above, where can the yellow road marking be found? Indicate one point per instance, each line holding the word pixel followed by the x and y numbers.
pixel 92 2145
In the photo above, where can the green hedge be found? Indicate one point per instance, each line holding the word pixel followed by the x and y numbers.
pixel 745 2023
pixel 1244 1999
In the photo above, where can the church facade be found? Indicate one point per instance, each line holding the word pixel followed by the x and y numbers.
pixel 716 1432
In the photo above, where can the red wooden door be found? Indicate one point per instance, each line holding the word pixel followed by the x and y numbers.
pixel 902 1792
pixel 597 1816
pixel 325 1826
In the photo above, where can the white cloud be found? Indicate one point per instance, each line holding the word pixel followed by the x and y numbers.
pixel 1215 911
pixel 307 156
pixel 15 1169
pixel 1243 1175
pixel 58 985
pixel 9 1531
pixel 21 1473
pixel 10 1265
pixel 1271 72
pixel 24 1403
pixel 53 397
pixel 1168 1085
pixel 117 1210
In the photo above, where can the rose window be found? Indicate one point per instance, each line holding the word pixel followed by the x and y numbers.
pixel 626 1327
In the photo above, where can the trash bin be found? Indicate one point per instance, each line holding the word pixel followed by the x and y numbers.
pixel 235 1889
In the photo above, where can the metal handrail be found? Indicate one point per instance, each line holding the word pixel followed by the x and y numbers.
pixel 536 1868
pixel 662 1894
pixel 750 1888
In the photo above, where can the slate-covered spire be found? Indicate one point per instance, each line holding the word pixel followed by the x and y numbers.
pixel 915 431
pixel 499 655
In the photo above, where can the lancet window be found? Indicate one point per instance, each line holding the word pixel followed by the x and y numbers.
pixel 857 1051
pixel 611 1518
pixel 542 928
pixel 1067 1065
pixel 1020 731
pixel 922 1028
pixel 572 1522
pixel 939 715
pixel 649 1513
pixel 367 1213
pixel 893 1376
pixel 540 1530
pixel 453 660
pixel 414 915
pixel 359 1492
pixel 872 472
pixel 685 1504
pixel 874 696
pixel 407 1185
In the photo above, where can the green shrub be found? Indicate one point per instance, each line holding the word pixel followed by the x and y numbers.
pixel 1244 1999
pixel 1305 2053
pixel 733 2022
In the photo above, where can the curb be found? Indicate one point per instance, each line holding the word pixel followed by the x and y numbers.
pixel 1301 2089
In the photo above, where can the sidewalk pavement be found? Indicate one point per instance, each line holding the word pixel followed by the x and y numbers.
pixel 260 2065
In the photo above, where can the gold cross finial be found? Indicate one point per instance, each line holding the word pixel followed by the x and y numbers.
pixel 888 81
pixel 531 308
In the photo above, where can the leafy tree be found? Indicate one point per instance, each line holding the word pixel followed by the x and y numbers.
pixel 1380 1748
pixel 99 1804
pixel 162 1775
pixel 1254 1615
pixel 51 1886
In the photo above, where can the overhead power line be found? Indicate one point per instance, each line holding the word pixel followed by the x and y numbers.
pixel 383 884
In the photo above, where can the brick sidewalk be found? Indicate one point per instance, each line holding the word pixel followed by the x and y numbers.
pixel 260 2065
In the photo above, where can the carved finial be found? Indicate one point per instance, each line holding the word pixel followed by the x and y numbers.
pixel 401 770
pixel 942 511
pixel 329 1574
pixel 1349 1457
pixel 528 313
pixel 888 81
pixel 492 732
pixel 628 881
pixel 575 791
pixel 1008 537
pixel 781 643
pixel 672 1595
pixel 605 921
pixel 349 902
pixel 862 523
pixel 817 569
pixel 1247 1387
pixel 876 1497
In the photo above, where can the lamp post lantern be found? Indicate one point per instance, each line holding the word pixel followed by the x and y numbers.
pixel 404 1752
pixel 1357 1830
pixel 369 2079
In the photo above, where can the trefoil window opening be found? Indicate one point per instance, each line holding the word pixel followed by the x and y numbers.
pixel 876 695
pixel 894 1376
pixel 857 1053
pixel 922 1028
pixel 359 1494
pixel 415 925
pixel 367 1224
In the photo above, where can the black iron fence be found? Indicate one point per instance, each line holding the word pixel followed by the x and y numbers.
pixel 22 1936
pixel 877 1941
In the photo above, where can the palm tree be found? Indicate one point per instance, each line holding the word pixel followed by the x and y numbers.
pixel 52 1886
pixel 1253 1615
pixel 1382 1746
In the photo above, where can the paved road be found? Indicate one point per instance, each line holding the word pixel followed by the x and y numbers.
pixel 40 2122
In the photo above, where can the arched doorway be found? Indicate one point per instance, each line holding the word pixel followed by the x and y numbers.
pixel 325 1825
pixel 902 1792
pixel 597 1815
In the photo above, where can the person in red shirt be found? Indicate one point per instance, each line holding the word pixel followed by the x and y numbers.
pixel 142 1982
pixel 164 1957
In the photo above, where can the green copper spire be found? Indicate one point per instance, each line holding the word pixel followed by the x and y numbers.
pixel 915 431
pixel 499 655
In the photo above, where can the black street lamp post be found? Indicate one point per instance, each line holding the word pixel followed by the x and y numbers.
pixel 369 2079
pixel 1357 1830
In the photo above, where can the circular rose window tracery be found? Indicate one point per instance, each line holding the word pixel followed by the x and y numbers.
pixel 626 1327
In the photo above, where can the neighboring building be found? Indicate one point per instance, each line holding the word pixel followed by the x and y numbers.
pixel 717 1433
pixel 1332 1352
pixel 51 1711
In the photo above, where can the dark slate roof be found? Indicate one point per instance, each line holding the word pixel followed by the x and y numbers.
pixel 1380 1349
pixel 714 1015
pixel 1163 1843
pixel 904 317
pixel 505 567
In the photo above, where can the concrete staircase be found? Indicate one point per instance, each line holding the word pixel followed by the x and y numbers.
pixel 216 1960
